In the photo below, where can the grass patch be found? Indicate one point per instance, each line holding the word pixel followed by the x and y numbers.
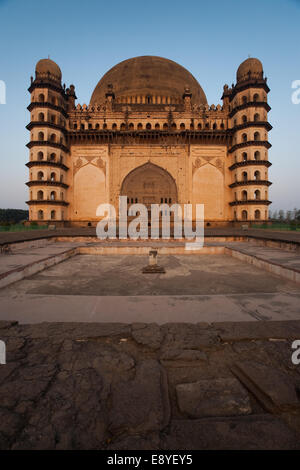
pixel 278 226
pixel 21 228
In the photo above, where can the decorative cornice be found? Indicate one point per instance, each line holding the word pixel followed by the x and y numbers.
pixel 250 143
pixel 56 202
pixel 46 104
pixel 250 183
pixel 47 124
pixel 48 83
pixel 47 143
pixel 257 202
pixel 248 124
pixel 246 84
pixel 46 163
pixel 144 136
pixel 250 104
pixel 47 183
pixel 250 163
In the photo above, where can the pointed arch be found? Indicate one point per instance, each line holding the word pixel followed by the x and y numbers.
pixel 149 184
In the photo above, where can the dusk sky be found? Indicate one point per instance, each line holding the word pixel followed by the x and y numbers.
pixel 210 39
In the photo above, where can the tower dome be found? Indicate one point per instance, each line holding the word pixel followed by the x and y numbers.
pixel 148 76
pixel 250 67
pixel 47 67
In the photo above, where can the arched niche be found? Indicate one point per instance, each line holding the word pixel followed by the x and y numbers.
pixel 89 191
pixel 149 184
pixel 208 189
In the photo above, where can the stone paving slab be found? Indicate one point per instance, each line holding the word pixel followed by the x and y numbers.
pixel 24 256
pixel 145 386
pixel 218 397
pixel 247 433
pixel 263 234
pixel 26 308
pixel 247 331
pixel 287 259
pixel 273 387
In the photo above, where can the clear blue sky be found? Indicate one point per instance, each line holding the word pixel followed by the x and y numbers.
pixel 209 38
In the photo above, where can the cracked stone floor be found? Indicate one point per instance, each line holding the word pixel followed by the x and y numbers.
pixel 143 386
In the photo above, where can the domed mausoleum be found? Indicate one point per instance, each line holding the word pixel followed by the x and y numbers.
pixel 149 134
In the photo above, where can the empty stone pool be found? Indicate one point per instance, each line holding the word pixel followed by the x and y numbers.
pixel 112 287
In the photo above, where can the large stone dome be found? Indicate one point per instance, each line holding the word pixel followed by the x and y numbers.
pixel 148 76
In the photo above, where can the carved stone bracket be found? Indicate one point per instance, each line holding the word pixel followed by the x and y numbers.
pixel 208 159
pixel 217 162
pixel 79 163
pixel 101 164
pixel 197 163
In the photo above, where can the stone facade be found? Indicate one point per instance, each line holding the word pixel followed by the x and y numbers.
pixel 148 133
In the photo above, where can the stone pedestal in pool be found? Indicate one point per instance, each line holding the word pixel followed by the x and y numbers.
pixel 153 267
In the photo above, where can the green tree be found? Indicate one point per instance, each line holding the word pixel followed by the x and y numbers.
pixel 13 215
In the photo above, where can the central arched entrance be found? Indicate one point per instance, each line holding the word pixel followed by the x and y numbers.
pixel 149 184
